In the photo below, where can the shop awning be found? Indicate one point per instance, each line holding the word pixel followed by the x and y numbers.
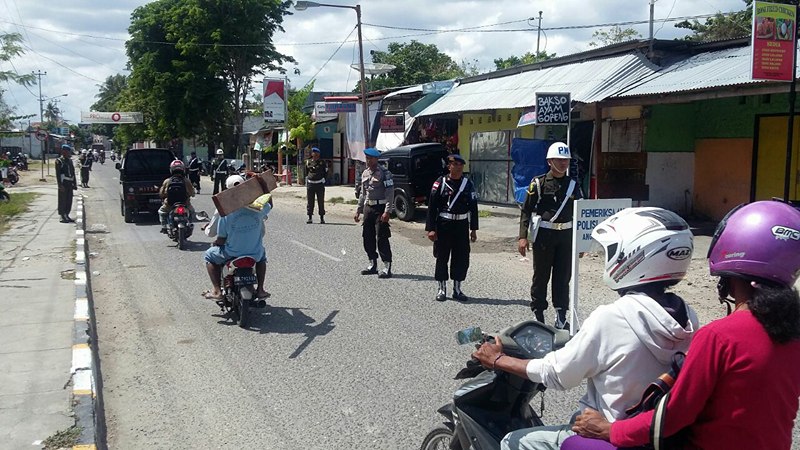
pixel 420 105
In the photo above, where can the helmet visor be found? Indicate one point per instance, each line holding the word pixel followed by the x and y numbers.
pixel 721 228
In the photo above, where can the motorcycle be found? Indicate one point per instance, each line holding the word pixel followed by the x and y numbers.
pixel 239 289
pixel 13 176
pixel 21 161
pixel 179 227
pixel 113 157
pixel 495 403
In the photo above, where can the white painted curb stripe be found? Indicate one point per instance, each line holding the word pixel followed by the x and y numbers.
pixel 79 232
pixel 80 257
pixel 80 277
pixel 82 381
pixel 81 309
pixel 81 357
pixel 80 243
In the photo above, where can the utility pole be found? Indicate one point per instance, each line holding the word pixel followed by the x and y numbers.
pixel 39 74
pixel 652 15
pixel 539 34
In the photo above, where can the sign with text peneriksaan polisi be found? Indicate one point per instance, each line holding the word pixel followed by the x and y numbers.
pixel 552 108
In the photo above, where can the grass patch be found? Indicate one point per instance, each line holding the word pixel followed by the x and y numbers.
pixel 484 213
pixel 352 201
pixel 335 200
pixel 63 439
pixel 19 204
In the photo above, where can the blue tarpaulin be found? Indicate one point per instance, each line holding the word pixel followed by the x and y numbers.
pixel 529 161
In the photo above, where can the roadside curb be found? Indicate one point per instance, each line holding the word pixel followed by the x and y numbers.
pixel 86 381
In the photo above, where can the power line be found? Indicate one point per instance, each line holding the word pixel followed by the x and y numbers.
pixel 330 58
pixel 61 65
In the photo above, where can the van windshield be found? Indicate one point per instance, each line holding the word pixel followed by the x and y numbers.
pixel 148 162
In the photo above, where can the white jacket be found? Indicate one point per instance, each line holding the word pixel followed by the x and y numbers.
pixel 619 350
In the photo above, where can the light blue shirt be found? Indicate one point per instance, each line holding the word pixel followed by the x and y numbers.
pixel 243 231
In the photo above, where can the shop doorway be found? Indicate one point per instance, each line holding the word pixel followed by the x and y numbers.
pixel 769 158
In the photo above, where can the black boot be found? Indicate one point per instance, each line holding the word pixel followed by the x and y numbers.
pixel 321 219
pixel 457 294
pixel 441 294
pixel 309 219
pixel 561 319
pixel 372 269
pixel 387 270
pixel 539 315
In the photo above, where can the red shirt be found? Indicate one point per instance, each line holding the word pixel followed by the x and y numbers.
pixel 737 389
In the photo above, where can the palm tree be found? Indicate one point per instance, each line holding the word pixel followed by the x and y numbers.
pixel 52 114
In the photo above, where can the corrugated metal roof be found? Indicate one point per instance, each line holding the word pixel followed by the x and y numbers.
pixel 707 70
pixel 587 81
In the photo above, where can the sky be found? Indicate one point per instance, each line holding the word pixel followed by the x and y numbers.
pixel 79 43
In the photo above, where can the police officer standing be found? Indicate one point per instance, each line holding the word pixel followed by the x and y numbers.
pixel 219 171
pixel 65 178
pixel 551 196
pixel 376 203
pixel 194 171
pixel 452 223
pixel 316 171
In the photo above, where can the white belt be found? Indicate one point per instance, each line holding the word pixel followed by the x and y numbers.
pixel 556 226
pixel 315 182
pixel 447 215
pixel 376 202
pixel 67 178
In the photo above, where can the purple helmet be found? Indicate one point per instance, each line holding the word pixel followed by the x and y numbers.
pixel 759 240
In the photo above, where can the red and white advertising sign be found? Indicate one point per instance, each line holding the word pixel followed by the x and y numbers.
pixel 274 100
pixel 111 117
pixel 773 49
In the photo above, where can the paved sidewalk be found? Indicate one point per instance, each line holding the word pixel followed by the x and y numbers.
pixel 38 323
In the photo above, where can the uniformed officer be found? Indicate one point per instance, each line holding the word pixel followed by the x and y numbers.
pixel 551 196
pixel 452 223
pixel 194 171
pixel 65 178
pixel 376 202
pixel 316 171
pixel 219 171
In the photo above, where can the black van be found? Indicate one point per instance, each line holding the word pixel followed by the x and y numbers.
pixel 141 173
pixel 414 168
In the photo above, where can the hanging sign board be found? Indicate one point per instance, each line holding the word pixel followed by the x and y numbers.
pixel 552 108
pixel 320 115
pixel 393 124
pixel 340 107
pixel 111 117
pixel 274 100
pixel 773 49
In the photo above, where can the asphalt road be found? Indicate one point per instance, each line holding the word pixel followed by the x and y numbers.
pixel 337 360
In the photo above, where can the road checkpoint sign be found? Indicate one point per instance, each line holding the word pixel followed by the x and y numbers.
pixel 586 215
pixel 41 135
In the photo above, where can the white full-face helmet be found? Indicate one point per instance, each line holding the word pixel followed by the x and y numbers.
pixel 233 180
pixel 644 246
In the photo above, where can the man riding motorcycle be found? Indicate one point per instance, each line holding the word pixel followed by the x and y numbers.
pixel 623 346
pixel 175 189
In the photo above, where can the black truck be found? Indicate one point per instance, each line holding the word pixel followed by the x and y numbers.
pixel 414 168
pixel 141 173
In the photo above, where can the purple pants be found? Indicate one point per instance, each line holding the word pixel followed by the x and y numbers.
pixel 582 443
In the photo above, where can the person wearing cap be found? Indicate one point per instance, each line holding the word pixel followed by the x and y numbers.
pixel 316 171
pixel 194 171
pixel 86 161
pixel 376 202
pixel 65 178
pixel 550 196
pixel 219 171
pixel 452 223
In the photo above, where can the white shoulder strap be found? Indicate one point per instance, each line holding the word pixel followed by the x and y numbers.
pixel 566 198
pixel 460 190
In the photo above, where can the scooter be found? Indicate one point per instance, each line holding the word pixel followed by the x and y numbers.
pixel 13 176
pixel 179 227
pixel 239 289
pixel 492 404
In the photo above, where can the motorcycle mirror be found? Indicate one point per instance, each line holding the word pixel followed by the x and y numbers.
pixel 468 335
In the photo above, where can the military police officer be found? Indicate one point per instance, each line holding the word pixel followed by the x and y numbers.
pixel 551 196
pixel 219 171
pixel 316 170
pixel 452 223
pixel 65 178
pixel 194 171
pixel 376 202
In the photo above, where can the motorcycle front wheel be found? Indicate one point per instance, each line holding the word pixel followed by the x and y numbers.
pixel 439 438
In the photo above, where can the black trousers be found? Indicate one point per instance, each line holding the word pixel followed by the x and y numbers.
pixel 219 183
pixel 315 190
pixel 65 198
pixel 84 175
pixel 452 244
pixel 194 178
pixel 552 253
pixel 376 234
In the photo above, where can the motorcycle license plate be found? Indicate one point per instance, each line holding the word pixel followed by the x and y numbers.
pixel 155 200
pixel 244 280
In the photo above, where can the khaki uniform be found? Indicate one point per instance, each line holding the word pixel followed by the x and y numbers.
pixel 377 197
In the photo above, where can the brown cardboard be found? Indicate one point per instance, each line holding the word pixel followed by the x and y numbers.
pixel 242 195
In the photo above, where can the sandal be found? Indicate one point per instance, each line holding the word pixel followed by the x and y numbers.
pixel 208 296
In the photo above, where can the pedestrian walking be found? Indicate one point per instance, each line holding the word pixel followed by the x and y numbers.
pixel 194 171
pixel 86 167
pixel 65 178
pixel 376 203
pixel 219 171
pixel 452 223
pixel 316 171
pixel 549 202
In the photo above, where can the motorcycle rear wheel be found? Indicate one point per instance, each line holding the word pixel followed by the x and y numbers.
pixel 439 438
pixel 181 238
pixel 244 311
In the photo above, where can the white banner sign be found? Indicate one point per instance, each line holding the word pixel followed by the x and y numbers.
pixel 274 100
pixel 320 114
pixel 111 117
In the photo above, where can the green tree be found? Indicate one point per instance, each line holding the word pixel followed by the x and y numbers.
pixel 9 49
pixel 527 58
pixel 723 26
pixel 613 35
pixel 108 100
pixel 415 63
pixel 52 115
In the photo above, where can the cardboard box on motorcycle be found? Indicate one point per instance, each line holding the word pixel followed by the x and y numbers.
pixel 242 195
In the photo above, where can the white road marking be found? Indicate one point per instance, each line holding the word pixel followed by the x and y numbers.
pixel 315 250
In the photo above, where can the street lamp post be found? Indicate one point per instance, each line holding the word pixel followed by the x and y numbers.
pixel 302 6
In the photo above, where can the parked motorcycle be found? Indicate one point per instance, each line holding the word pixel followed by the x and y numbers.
pixel 179 227
pixel 493 404
pixel 239 289
pixel 21 161
pixel 13 176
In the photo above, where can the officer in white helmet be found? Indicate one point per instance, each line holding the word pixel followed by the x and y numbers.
pixel 219 171
pixel 550 196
